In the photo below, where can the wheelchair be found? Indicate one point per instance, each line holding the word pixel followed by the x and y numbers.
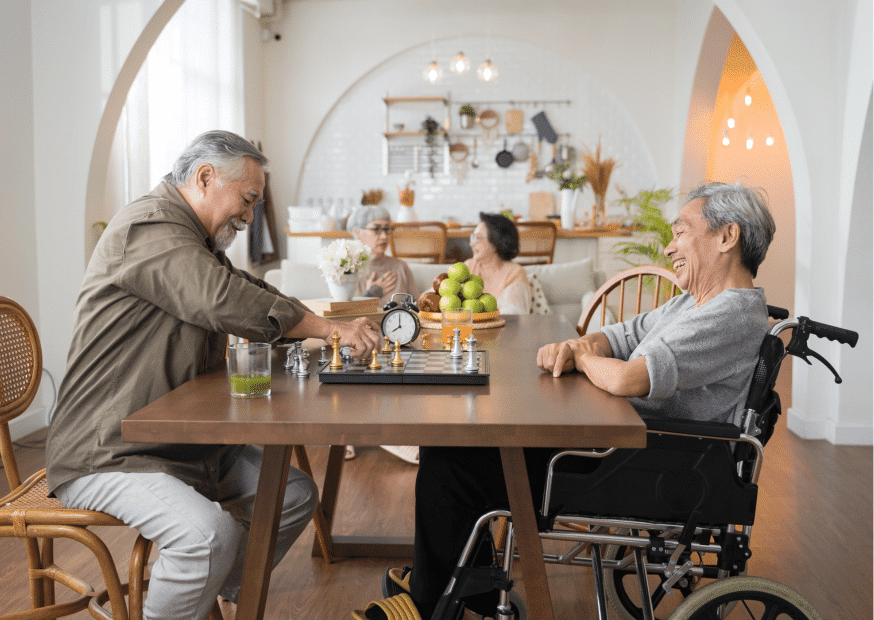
pixel 655 521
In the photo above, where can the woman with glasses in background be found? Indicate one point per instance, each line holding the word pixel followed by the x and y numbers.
pixel 495 243
pixel 386 275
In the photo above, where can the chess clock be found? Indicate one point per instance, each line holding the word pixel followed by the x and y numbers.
pixel 401 320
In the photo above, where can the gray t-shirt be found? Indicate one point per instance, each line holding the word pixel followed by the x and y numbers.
pixel 700 360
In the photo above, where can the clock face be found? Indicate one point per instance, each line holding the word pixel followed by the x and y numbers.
pixel 400 324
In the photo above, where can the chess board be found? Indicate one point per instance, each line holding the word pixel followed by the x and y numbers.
pixel 420 367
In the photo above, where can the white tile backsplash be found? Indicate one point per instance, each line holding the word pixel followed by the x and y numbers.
pixel 346 157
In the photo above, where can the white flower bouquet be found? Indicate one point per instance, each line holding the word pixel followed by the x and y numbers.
pixel 343 257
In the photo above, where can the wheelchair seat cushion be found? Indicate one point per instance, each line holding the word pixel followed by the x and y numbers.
pixel 666 481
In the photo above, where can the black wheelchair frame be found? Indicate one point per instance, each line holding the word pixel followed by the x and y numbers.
pixel 691 493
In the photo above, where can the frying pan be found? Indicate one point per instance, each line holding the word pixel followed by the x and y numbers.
pixel 520 151
pixel 504 158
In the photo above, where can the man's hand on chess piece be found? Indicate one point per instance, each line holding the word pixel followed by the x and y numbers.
pixel 361 334
pixel 561 357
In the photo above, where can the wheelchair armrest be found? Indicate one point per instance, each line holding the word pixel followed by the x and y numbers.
pixel 722 430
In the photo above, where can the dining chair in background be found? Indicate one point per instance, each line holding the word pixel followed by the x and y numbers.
pixel 420 241
pixel 536 242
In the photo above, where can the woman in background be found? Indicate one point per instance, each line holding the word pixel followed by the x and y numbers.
pixel 495 243
pixel 385 275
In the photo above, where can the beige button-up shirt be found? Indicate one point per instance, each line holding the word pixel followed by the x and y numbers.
pixel 155 309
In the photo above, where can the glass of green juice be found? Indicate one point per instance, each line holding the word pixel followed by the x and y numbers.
pixel 249 369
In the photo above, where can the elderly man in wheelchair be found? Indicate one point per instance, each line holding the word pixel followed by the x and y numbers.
pixel 700 369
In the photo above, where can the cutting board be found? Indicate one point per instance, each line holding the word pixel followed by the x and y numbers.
pixel 541 204
pixel 514 121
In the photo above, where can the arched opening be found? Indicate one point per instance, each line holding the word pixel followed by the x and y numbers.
pixel 729 140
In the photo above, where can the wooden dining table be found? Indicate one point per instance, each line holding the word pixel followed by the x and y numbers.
pixel 520 406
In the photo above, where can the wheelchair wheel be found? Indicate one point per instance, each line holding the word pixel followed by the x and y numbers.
pixel 621 587
pixel 753 598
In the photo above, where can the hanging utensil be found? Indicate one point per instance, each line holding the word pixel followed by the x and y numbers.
pixel 504 158
pixel 520 151
pixel 514 121
pixel 474 163
pixel 539 173
pixel 549 168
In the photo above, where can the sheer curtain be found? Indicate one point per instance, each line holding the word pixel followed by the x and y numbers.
pixel 191 82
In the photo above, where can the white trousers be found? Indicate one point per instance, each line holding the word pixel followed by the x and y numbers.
pixel 202 543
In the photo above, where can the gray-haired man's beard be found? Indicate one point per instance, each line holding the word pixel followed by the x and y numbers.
pixel 226 235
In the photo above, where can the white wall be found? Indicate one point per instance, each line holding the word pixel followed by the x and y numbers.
pixel 643 52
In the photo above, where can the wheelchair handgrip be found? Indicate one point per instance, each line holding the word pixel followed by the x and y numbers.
pixel 775 312
pixel 830 332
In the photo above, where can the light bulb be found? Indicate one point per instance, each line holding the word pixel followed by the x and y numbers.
pixel 725 140
pixel 487 71
pixel 748 99
pixel 749 142
pixel 433 72
pixel 459 64
pixel 730 122
pixel 769 141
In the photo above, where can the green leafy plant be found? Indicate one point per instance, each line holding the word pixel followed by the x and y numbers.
pixel 650 219
pixel 566 179
pixel 431 129
pixel 467 110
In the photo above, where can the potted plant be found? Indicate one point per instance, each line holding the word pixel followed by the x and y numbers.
pixel 466 115
pixel 431 129
pixel 649 219
pixel 569 187
pixel 598 172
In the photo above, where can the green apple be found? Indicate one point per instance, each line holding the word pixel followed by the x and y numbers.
pixel 449 287
pixel 490 304
pixel 475 305
pixel 458 272
pixel 471 290
pixel 450 302
pixel 476 278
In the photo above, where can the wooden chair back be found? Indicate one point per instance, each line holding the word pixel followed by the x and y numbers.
pixel 646 286
pixel 536 242
pixel 20 374
pixel 421 241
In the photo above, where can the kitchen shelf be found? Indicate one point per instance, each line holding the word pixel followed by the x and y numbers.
pixel 391 100
pixel 401 134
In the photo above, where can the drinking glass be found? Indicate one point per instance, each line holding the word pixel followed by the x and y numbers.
pixel 249 369
pixel 462 319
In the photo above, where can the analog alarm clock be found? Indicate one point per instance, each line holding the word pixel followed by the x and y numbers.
pixel 401 320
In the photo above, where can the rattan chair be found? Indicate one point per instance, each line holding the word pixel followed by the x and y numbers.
pixel 646 281
pixel 28 513
pixel 422 241
pixel 536 242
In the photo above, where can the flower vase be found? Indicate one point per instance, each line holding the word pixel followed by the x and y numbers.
pixel 569 207
pixel 344 288
pixel 406 214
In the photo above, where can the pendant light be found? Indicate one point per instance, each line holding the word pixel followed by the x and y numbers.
pixel 459 64
pixel 433 73
pixel 487 71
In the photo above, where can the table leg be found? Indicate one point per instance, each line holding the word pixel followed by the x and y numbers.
pixel 265 518
pixel 527 538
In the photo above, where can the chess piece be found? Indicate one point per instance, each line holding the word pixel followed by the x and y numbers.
pixel 426 341
pixel 323 358
pixel 336 361
pixel 456 352
pixel 290 360
pixel 472 365
pixel 386 346
pixel 303 365
pixel 374 363
pixel 397 360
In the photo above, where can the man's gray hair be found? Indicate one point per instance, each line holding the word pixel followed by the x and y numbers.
pixel 748 208
pixel 363 215
pixel 225 151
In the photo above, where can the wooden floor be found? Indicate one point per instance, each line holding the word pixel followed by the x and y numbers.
pixel 813 533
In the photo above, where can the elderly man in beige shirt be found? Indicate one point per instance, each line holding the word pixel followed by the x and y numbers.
pixel 157 304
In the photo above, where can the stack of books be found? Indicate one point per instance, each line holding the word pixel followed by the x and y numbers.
pixel 359 306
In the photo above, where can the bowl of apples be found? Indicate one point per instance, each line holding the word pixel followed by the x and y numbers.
pixel 456 289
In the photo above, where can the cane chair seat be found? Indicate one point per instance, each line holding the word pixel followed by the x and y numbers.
pixel 536 242
pixel 27 512
pixel 419 241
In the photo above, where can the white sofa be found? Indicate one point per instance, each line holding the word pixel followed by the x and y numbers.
pixel 566 286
